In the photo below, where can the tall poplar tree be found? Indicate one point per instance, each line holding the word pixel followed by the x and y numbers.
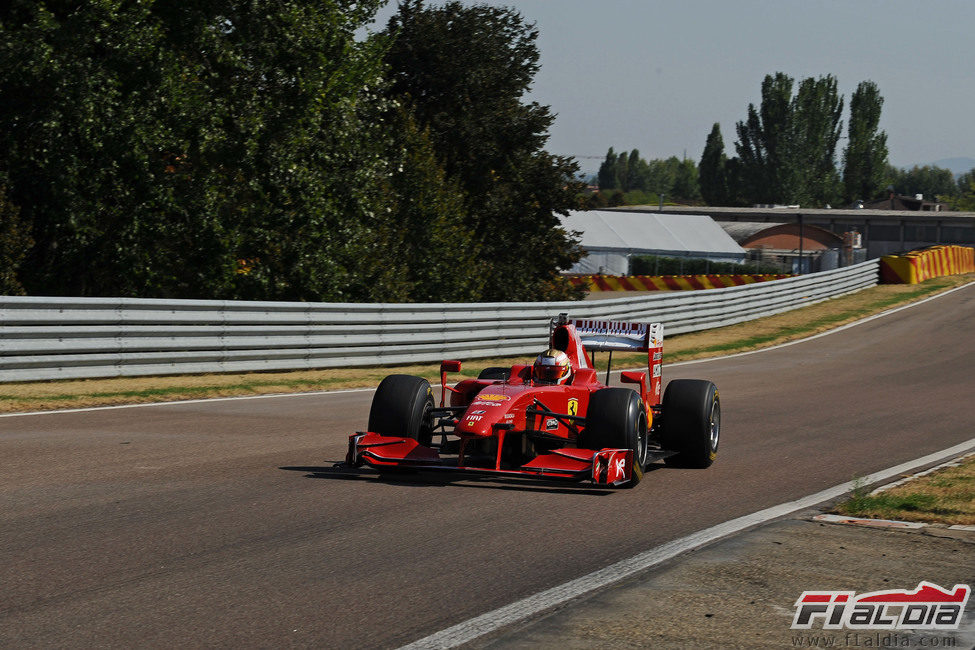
pixel 607 178
pixel 712 176
pixel 865 157
pixel 787 146
pixel 763 142
pixel 816 127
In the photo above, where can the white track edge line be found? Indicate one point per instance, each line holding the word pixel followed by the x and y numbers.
pixel 545 600
pixel 363 390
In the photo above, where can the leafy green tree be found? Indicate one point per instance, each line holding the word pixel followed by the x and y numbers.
pixel 686 185
pixel 623 171
pixel 434 255
pixel 865 157
pixel 633 171
pixel 735 183
pixel 607 177
pixel 463 71
pixel 14 242
pixel 816 128
pixel 638 172
pixel 927 180
pixel 203 149
pixel 662 174
pixel 787 147
pixel 763 143
pixel 965 198
pixel 712 172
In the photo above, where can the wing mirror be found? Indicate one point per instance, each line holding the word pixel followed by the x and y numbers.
pixel 445 367
pixel 450 366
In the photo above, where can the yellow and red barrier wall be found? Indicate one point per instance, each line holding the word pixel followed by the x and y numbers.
pixel 920 265
pixel 667 282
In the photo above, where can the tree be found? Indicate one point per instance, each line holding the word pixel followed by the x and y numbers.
pixel 463 71
pixel 965 199
pixel 686 185
pixel 607 177
pixel 712 169
pixel 865 157
pixel 198 149
pixel 927 180
pixel 638 172
pixel 14 242
pixel 434 256
pixel 763 143
pixel 815 130
pixel 663 175
pixel 787 148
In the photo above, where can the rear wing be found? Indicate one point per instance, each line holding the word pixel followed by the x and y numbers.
pixel 608 336
pixel 611 336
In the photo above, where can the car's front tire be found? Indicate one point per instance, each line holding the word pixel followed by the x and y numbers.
pixel 616 419
pixel 401 407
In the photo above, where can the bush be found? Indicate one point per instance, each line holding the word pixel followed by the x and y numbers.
pixel 659 265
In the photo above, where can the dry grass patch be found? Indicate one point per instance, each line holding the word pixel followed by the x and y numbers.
pixel 946 496
pixel 753 335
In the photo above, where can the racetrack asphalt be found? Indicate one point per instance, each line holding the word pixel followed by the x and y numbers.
pixel 223 523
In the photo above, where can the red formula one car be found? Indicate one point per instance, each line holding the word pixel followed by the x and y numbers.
pixel 553 419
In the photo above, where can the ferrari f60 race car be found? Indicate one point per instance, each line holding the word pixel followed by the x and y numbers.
pixel 511 422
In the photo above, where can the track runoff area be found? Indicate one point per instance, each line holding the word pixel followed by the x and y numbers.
pixel 544 601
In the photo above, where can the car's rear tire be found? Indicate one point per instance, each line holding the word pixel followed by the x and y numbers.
pixel 495 372
pixel 691 422
pixel 616 419
pixel 401 407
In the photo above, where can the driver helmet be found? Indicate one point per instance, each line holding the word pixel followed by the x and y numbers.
pixel 552 367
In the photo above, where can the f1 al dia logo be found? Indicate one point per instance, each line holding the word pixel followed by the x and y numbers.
pixel 929 607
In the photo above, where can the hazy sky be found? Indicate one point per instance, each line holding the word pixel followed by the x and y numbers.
pixel 656 75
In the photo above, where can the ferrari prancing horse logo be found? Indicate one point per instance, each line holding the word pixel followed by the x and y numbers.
pixel 573 406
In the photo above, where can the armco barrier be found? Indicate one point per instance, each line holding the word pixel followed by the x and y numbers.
pixel 920 265
pixel 62 338
pixel 667 282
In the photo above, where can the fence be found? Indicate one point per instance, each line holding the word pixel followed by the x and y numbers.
pixel 61 338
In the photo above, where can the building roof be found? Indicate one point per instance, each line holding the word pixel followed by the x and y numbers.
pixel 742 230
pixel 645 233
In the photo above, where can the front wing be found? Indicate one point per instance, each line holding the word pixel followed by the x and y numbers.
pixel 611 467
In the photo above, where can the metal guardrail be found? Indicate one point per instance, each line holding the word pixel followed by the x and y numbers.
pixel 64 338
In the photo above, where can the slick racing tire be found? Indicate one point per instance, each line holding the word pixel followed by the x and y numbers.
pixel 691 422
pixel 401 407
pixel 617 419
pixel 495 372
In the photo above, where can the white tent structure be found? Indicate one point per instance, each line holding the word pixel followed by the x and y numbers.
pixel 611 237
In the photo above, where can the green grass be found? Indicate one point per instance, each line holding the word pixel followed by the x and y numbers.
pixel 944 496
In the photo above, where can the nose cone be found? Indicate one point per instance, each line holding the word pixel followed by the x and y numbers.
pixel 476 425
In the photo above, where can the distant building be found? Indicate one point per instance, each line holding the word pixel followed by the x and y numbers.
pixel 790 245
pixel 901 202
pixel 882 232
pixel 610 238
